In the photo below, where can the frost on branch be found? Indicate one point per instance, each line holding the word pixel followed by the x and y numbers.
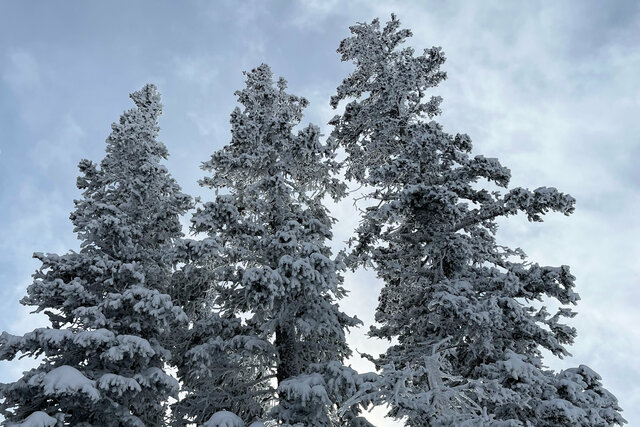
pixel 65 380
pixel 303 398
pixel 37 419
pixel 228 419
pixel 224 419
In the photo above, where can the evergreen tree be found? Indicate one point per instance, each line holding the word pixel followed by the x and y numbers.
pixel 278 272
pixel 103 362
pixel 463 309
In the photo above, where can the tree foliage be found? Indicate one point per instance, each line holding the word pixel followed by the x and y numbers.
pixel 464 310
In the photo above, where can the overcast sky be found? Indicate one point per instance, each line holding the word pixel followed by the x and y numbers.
pixel 550 88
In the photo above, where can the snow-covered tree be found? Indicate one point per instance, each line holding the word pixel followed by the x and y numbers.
pixel 466 312
pixel 276 270
pixel 102 359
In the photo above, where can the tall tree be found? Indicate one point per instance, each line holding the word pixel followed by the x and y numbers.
pixel 103 362
pixel 269 217
pixel 463 309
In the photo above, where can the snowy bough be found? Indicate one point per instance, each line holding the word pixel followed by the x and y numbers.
pixel 460 305
pixel 103 362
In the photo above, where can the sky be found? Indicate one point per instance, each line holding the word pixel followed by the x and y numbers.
pixel 549 88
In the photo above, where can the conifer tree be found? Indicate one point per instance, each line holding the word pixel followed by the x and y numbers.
pixel 463 309
pixel 273 227
pixel 103 362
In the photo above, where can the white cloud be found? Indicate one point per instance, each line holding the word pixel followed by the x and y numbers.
pixel 22 71
pixel 62 151
pixel 207 124
pixel 202 71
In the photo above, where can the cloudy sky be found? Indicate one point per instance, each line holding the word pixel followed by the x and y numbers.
pixel 550 88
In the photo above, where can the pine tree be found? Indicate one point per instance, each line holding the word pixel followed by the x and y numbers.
pixel 103 362
pixel 278 272
pixel 464 310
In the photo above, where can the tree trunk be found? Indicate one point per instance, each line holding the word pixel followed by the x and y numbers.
pixel 289 365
